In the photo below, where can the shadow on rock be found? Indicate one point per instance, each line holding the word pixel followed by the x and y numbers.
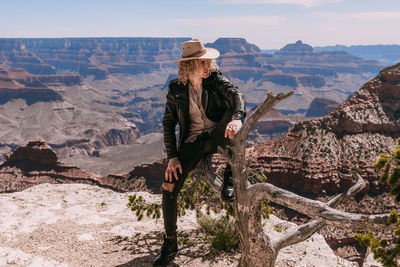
pixel 146 247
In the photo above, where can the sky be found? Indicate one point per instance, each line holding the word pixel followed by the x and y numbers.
pixel 270 24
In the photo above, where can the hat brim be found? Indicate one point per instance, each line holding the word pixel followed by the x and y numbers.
pixel 211 53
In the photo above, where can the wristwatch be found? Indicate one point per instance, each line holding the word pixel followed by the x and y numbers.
pixel 237 116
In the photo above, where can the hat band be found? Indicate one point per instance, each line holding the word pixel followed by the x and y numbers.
pixel 197 53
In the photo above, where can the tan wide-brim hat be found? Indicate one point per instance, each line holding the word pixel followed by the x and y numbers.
pixel 195 49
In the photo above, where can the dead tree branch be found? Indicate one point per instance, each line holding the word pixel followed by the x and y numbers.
pixel 318 210
pixel 303 232
pixel 266 106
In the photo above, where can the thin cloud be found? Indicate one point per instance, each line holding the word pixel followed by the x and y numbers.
pixel 378 15
pixel 232 21
pixel 305 3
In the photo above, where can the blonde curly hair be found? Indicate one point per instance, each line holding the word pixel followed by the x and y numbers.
pixel 187 66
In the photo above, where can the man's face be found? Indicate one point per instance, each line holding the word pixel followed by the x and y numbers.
pixel 203 68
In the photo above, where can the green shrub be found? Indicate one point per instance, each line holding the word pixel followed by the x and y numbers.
pixel 221 232
pixel 386 251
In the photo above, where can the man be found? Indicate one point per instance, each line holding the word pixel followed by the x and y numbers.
pixel 209 109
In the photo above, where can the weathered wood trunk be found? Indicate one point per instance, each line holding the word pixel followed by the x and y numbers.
pixel 257 249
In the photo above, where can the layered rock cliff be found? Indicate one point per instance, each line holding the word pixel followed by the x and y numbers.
pixel 296 65
pixel 333 75
pixel 18 83
pixel 80 94
pixel 310 156
pixel 59 109
pixel 103 56
pixel 15 55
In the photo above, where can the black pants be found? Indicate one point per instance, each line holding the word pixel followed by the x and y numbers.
pixel 189 155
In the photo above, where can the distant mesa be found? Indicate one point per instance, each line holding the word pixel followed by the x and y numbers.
pixel 386 54
pixel 36 152
pixel 234 45
pixel 36 163
pixel 297 48
pixel 100 57
pixel 321 106
pixel 273 126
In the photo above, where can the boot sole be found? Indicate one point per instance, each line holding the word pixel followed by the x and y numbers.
pixel 227 199
pixel 170 259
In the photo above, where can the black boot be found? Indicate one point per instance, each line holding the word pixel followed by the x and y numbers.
pixel 168 251
pixel 228 193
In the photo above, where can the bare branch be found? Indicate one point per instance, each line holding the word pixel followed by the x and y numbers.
pixel 302 232
pixel 318 210
pixel 262 109
pixel 237 160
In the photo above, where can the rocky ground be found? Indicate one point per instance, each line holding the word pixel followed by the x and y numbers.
pixel 84 225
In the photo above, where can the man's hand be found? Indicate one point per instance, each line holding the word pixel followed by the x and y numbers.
pixel 170 172
pixel 232 128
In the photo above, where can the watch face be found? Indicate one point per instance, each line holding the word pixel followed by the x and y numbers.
pixel 237 117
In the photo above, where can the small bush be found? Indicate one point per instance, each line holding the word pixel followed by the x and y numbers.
pixel 386 251
pixel 221 232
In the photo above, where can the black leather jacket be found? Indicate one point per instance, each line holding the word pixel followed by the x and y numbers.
pixel 218 95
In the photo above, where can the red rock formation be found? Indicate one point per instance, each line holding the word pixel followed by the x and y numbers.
pixel 35 152
pixel 309 157
pixel 36 163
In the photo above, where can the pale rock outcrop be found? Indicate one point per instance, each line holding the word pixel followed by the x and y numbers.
pixel 84 225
